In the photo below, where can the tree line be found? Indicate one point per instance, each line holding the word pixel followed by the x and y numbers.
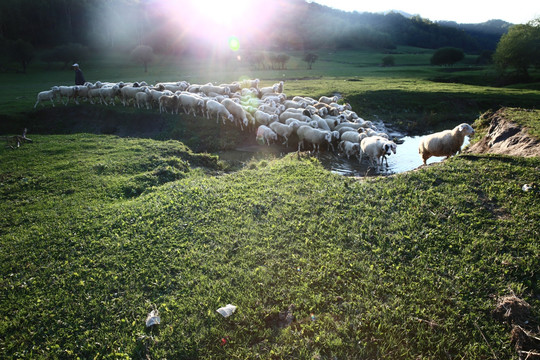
pixel 104 23
pixel 64 31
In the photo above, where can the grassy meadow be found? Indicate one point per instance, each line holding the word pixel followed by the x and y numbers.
pixel 98 229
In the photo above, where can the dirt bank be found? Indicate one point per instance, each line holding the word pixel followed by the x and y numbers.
pixel 506 137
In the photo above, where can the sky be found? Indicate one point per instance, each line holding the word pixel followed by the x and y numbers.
pixel 461 11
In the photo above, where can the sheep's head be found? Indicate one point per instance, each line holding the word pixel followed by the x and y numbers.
pixel 386 149
pixel 328 137
pixel 333 111
pixel 465 129
pixel 335 135
pixel 230 117
pixel 393 146
pixel 306 113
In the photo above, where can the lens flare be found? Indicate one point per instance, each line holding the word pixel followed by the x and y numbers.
pixel 234 43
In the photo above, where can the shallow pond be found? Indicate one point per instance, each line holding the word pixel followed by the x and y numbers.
pixel 405 159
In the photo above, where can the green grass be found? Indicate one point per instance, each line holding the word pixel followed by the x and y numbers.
pixel 99 230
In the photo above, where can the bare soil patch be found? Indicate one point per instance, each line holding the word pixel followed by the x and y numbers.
pixel 505 137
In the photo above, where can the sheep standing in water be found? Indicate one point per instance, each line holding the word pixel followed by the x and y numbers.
pixel 444 143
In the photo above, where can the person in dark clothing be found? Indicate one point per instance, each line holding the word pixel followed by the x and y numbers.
pixel 79 77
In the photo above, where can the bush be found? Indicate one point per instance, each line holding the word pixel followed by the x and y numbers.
pixel 388 60
pixel 447 56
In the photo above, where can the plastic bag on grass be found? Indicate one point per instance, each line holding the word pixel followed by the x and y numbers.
pixel 152 318
pixel 227 311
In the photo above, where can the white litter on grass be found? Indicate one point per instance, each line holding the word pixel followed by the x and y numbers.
pixel 227 310
pixel 152 318
pixel 526 187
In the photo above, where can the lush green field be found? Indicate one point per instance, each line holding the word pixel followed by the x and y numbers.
pixel 98 230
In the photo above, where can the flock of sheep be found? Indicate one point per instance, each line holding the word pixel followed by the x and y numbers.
pixel 267 112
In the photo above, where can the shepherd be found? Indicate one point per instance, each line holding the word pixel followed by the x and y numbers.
pixel 79 77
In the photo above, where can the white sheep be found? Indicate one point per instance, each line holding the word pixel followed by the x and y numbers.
pixel 328 100
pixel 314 136
pixel 214 108
pixel 94 94
pixel 341 108
pixel 349 148
pixel 265 134
pixel 348 124
pixel 376 148
pixel 264 118
pixel 127 93
pixel 108 94
pixel 287 114
pixel 209 88
pixel 143 99
pixel 82 91
pixel 306 100
pixel 237 111
pixel 249 83
pixel 47 95
pixel 444 143
pixel 175 86
pixel 233 87
pixel 191 103
pixel 345 129
pixel 353 136
pixel 282 130
pixel 272 109
pixel 290 104
pixel 68 92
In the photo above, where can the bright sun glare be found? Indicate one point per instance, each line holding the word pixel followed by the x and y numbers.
pixel 222 21
pixel 228 24
pixel 220 13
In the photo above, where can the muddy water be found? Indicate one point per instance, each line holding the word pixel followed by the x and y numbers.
pixel 405 159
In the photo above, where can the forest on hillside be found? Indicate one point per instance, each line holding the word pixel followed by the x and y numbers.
pixel 295 25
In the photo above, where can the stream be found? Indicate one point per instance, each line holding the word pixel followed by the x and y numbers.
pixel 406 158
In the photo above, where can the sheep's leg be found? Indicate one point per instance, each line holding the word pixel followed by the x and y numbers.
pixel 36 104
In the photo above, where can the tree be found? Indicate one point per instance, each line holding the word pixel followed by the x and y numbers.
pixel 310 58
pixel 143 54
pixel 519 48
pixel 22 52
pixel 447 56
pixel 282 60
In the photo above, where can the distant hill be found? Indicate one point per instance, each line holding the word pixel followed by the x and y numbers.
pixel 488 32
